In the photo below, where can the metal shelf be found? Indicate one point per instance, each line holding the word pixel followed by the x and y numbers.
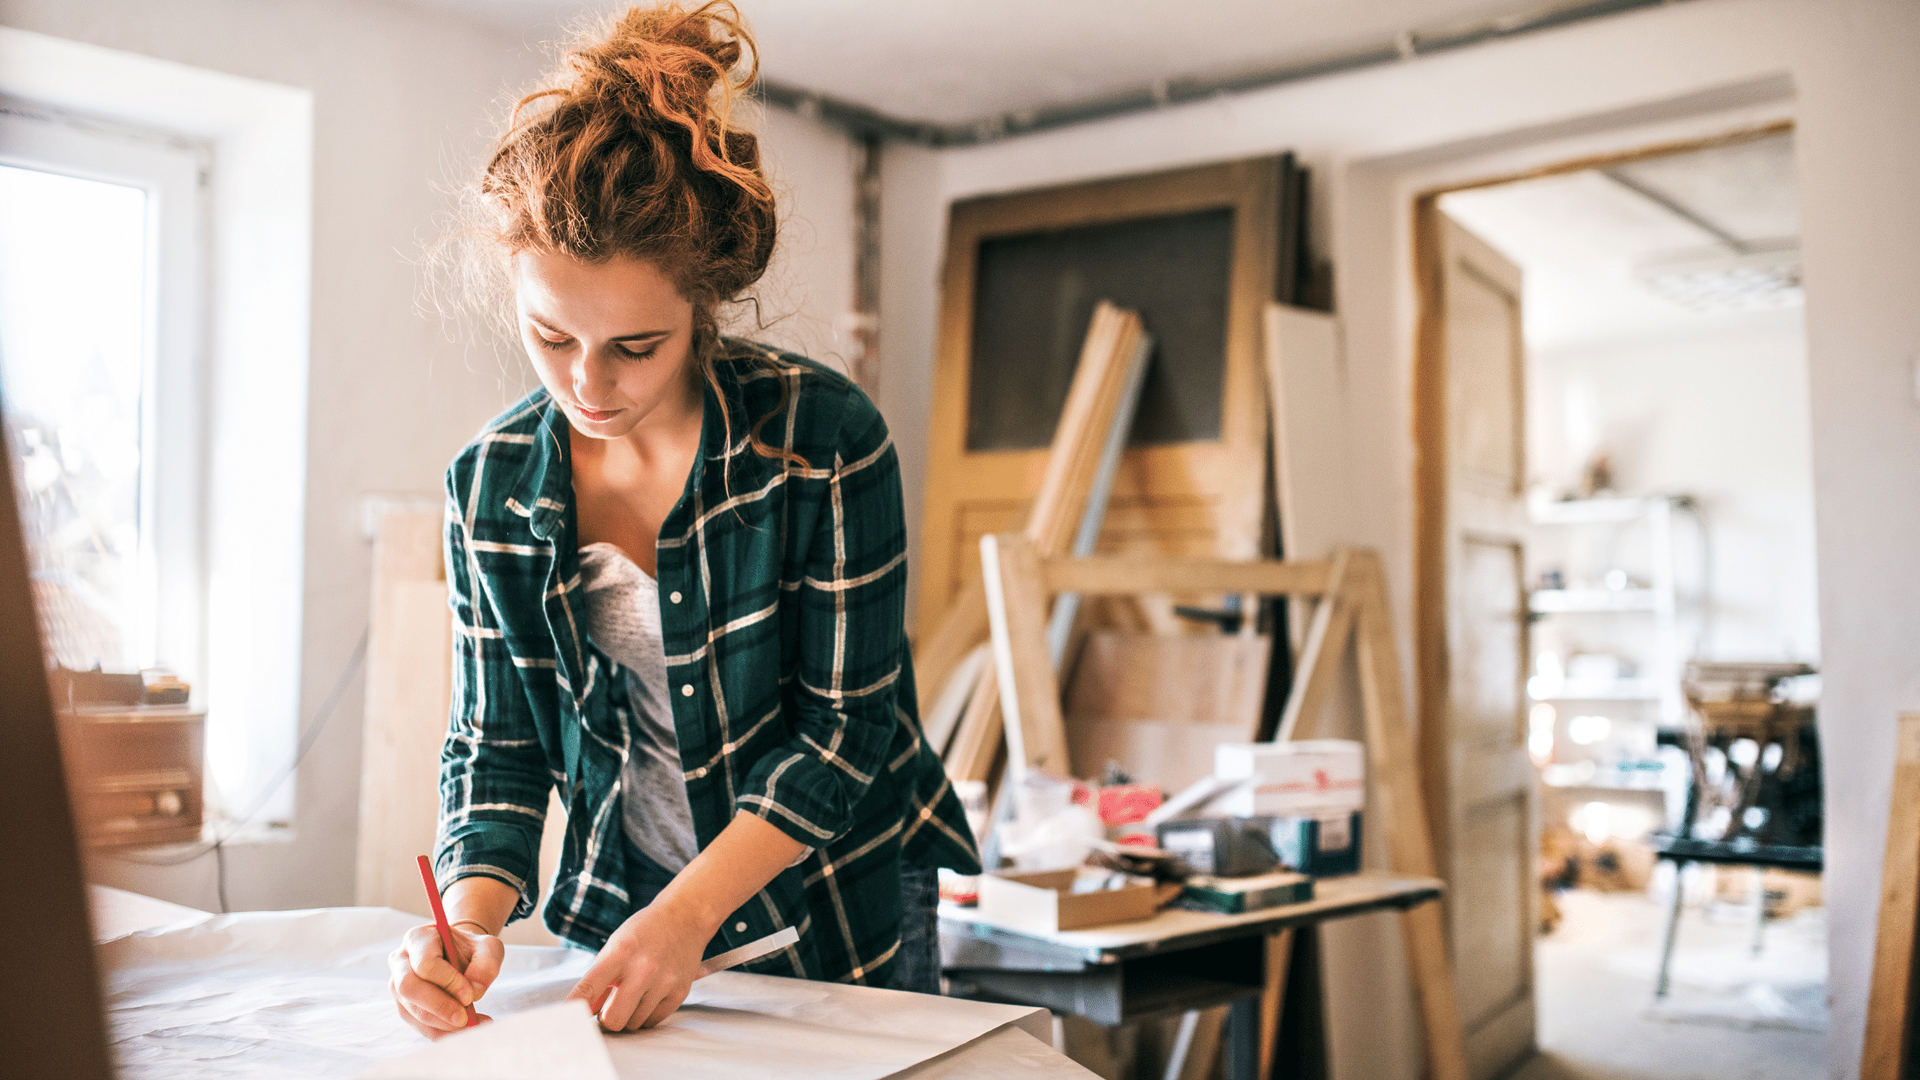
pixel 1577 601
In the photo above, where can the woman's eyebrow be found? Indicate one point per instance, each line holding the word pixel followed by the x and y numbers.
pixel 643 335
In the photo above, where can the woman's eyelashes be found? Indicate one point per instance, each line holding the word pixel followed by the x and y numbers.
pixel 625 352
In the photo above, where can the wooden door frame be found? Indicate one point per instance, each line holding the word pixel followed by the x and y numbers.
pixel 1430 448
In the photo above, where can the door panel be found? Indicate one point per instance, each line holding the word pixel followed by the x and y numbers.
pixel 1483 340
pixel 1489 598
pixel 1193 480
pixel 1486 879
pixel 1470 423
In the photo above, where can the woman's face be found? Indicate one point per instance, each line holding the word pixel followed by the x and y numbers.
pixel 611 341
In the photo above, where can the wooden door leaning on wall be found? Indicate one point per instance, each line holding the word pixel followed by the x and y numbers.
pixel 1194 252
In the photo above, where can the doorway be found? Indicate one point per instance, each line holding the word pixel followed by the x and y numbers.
pixel 1615 509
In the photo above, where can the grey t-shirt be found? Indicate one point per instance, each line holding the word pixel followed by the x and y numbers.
pixel 623 619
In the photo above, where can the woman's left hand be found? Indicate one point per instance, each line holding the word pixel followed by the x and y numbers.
pixel 645 969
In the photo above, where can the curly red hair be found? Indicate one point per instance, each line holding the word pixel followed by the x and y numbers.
pixel 633 151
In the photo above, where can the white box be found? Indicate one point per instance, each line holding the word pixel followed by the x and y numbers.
pixel 1306 777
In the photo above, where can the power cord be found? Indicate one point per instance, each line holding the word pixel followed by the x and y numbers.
pixel 308 737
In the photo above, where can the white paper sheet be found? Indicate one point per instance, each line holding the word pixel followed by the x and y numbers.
pixel 303 994
pixel 556 1042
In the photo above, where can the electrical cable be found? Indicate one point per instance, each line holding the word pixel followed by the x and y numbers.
pixel 308 738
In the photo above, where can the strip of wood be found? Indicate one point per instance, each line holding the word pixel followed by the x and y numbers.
pixel 1890 1001
pixel 1036 731
pixel 1397 791
pixel 1273 998
pixel 1327 638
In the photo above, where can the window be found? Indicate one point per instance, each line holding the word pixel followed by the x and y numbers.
pixel 219 576
pixel 100 256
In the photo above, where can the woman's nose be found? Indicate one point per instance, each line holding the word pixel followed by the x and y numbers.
pixel 590 378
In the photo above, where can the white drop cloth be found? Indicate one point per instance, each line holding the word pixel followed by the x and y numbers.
pixel 303 994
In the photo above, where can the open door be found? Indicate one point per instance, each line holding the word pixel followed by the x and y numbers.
pixel 1472 629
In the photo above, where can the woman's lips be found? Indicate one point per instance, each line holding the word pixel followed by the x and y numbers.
pixel 596 415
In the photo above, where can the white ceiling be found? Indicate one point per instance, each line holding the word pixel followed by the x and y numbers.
pixel 959 61
pixel 1577 238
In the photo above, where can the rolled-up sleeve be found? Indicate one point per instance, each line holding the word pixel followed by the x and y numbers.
pixel 494 780
pixel 852 644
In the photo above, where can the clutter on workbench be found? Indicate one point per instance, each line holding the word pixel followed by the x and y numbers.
pixel 1238 895
pixel 1069 899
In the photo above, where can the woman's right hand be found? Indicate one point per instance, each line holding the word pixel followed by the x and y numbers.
pixel 432 994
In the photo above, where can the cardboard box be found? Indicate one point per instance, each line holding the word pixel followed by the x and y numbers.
pixel 1311 776
pixel 1321 845
pixel 1045 902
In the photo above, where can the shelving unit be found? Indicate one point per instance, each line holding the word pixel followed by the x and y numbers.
pixel 1659 680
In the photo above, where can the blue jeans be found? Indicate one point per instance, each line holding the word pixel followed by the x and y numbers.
pixel 916 966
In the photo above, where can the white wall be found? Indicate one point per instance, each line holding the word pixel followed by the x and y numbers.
pixel 405 102
pixel 1377 136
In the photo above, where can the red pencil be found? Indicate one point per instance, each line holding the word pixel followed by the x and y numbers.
pixel 440 920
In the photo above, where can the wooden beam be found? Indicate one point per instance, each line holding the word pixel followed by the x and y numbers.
pixel 1029 690
pixel 1327 638
pixel 1127 575
pixel 1890 1003
pixel 1397 794
pixel 962 629
pixel 977 741
pixel 1273 999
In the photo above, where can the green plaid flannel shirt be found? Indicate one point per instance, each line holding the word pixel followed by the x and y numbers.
pixel 782 603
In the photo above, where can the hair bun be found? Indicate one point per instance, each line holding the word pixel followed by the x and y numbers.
pixel 666 64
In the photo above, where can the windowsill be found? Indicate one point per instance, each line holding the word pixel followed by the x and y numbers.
pixel 213 832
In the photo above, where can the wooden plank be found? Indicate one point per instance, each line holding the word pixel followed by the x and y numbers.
pixel 1099 384
pixel 1273 998
pixel 1135 574
pixel 939 723
pixel 1327 638
pixel 409 647
pixel 51 1022
pixel 959 632
pixel 1029 691
pixel 978 739
pixel 1397 793
pixel 1890 1004
pixel 1203 1049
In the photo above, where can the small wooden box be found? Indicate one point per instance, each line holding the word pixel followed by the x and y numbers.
pixel 1044 902
pixel 135 772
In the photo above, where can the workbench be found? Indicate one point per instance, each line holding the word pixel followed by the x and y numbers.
pixel 1176 962
pixel 187 1018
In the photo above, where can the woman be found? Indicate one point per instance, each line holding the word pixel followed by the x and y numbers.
pixel 677 577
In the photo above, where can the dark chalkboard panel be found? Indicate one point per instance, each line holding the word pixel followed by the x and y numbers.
pixel 1035 292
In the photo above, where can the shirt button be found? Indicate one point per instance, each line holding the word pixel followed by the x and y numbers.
pixel 740 928
pixel 674 596
pixel 686 690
